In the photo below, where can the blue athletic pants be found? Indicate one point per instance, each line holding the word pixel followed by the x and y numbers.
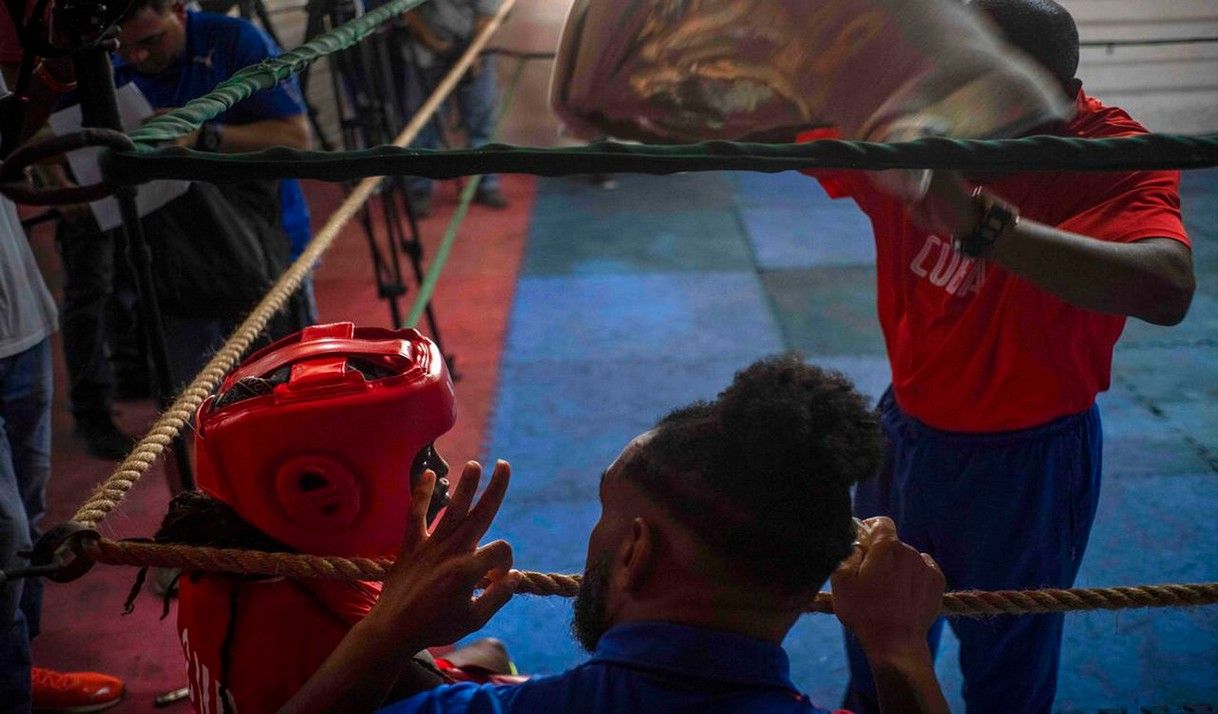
pixel 1002 511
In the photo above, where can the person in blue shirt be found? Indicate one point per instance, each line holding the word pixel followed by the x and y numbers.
pixel 174 55
pixel 717 527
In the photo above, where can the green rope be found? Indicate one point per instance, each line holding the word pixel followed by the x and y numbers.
pixel 264 75
pixel 1033 153
pixel 454 224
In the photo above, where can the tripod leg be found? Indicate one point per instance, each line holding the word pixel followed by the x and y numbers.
pixel 413 248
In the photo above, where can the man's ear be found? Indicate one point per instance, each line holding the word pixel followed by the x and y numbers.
pixel 638 557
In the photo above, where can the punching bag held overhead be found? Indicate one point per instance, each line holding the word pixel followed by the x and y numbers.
pixel 667 71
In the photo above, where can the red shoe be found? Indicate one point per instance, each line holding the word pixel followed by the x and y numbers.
pixel 74 691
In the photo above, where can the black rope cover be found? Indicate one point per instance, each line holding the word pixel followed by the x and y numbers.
pixel 1034 153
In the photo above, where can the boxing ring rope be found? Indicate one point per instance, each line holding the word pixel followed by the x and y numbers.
pixel 1032 153
pixel 973 603
pixel 73 547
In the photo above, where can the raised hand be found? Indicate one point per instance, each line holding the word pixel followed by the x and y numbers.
pixel 428 597
pixel 428 594
pixel 948 207
pixel 887 593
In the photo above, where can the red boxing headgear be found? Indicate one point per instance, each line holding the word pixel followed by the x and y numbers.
pixel 321 461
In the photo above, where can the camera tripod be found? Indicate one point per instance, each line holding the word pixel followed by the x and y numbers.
pixel 371 105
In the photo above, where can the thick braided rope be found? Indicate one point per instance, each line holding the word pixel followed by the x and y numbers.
pixel 965 603
pixel 1032 153
pixel 110 493
pixel 264 75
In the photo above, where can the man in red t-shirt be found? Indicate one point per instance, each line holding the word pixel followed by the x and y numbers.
pixel 1000 298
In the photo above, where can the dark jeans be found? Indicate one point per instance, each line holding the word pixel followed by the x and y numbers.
pixel 477 100
pixel 25 465
pixel 102 338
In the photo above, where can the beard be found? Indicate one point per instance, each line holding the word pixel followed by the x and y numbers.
pixel 588 614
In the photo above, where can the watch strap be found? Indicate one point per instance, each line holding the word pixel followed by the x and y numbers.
pixel 996 218
pixel 208 138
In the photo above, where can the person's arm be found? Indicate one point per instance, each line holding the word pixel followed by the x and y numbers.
pixel 292 132
pixel 428 598
pixel 425 35
pixel 272 117
pixel 888 595
pixel 1151 279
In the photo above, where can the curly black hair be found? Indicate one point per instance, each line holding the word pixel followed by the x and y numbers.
pixel 762 474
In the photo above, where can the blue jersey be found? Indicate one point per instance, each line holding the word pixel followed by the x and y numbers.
pixel 641 667
pixel 216 47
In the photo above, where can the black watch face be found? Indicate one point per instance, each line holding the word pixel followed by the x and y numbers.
pixel 210 139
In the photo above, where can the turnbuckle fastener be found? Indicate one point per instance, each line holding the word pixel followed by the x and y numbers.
pixel 59 555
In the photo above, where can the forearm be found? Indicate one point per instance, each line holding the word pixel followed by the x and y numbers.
pixel 292 132
pixel 905 680
pixel 423 32
pixel 1151 279
pixel 358 675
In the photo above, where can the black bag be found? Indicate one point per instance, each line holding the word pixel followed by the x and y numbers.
pixel 216 250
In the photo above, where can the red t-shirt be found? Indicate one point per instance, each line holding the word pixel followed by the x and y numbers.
pixel 285 629
pixel 975 348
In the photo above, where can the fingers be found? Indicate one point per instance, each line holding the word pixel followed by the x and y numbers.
pixel 848 567
pixel 938 579
pixel 462 497
pixel 488 505
pixel 879 528
pixel 492 564
pixel 495 596
pixel 494 557
pixel 416 519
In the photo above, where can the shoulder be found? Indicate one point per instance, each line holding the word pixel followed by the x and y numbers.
pixel 1097 120
pixel 214 29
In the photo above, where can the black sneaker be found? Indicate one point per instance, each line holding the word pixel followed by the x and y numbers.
pixel 491 198
pixel 102 438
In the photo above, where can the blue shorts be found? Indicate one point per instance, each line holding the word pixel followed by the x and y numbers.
pixel 1002 511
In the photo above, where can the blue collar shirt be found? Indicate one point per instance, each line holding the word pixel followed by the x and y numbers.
pixel 642 667
pixel 216 47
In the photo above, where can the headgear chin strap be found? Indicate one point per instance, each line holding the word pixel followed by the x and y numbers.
pixel 320 456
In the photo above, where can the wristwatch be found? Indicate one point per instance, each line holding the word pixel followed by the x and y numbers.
pixel 996 218
pixel 209 136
